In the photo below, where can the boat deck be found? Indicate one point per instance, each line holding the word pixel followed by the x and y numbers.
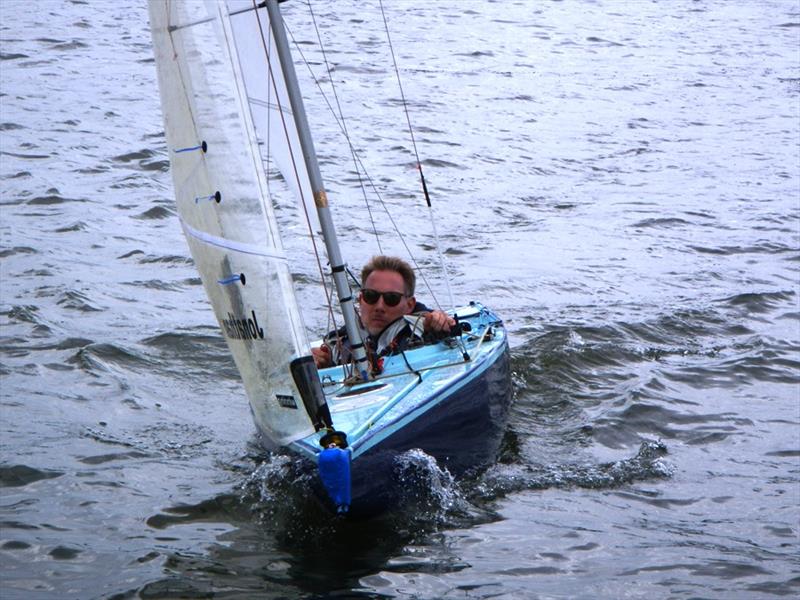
pixel 411 384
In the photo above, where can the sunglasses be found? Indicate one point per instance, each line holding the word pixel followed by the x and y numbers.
pixel 389 298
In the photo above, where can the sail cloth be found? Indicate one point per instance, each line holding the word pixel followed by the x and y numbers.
pixel 222 111
pixel 269 103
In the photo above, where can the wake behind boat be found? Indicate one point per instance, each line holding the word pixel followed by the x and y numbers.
pixel 238 137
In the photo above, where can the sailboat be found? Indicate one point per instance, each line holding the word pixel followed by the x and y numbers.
pixel 233 111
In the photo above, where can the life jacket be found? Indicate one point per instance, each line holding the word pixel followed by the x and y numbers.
pixel 401 334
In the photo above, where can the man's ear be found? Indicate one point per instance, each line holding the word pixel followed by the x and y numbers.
pixel 412 304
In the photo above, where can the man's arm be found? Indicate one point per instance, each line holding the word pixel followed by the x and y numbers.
pixel 434 321
pixel 322 356
pixel 438 321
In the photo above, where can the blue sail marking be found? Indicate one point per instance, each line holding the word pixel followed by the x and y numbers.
pixel 233 279
pixel 203 146
pixel 215 196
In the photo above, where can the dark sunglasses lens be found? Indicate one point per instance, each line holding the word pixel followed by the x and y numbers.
pixel 392 298
pixel 389 298
pixel 370 296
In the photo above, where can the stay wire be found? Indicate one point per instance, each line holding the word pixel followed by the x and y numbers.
pixel 266 46
pixel 369 179
pixel 344 127
pixel 416 155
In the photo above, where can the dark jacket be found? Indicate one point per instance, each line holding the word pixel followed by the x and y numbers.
pixel 401 334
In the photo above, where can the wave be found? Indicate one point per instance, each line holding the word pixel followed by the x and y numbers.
pixel 663 222
pixel 98 459
pixel 639 418
pixel 764 247
pixel 17 250
pixel 53 197
pixel 77 226
pixel 75 300
pixel 92 170
pixel 158 284
pixel 582 355
pixel 157 212
pixel 742 365
pixel 21 346
pixel 30 156
pixel 22 475
pixel 188 343
pixel 161 166
pixel 620 383
pixel 72 45
pixel 503 479
pixel 200 352
pixel 175 259
pixel 275 501
pixel 138 155
pixel 278 492
pixel 162 441
pixel 27 313
pixel 18 175
pixel 760 302
pixel 96 358
pixel 603 42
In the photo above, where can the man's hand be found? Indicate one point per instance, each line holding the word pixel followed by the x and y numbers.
pixel 322 356
pixel 438 321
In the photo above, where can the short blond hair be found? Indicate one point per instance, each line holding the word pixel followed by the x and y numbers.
pixel 391 263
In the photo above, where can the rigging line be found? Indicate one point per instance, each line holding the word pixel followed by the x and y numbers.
pixel 274 87
pixel 342 383
pixel 374 187
pixel 344 127
pixel 419 163
pixel 258 102
pixel 172 28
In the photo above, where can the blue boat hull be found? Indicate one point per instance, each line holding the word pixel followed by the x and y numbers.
pixel 462 430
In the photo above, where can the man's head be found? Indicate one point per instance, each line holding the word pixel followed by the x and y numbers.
pixel 387 293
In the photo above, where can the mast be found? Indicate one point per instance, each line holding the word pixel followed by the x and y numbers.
pixel 338 266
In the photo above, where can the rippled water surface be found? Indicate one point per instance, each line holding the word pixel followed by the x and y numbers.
pixel 619 180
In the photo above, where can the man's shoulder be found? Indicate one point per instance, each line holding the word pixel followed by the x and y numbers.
pixel 419 307
pixel 336 334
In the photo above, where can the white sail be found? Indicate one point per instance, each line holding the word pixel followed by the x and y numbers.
pixel 269 101
pixel 215 82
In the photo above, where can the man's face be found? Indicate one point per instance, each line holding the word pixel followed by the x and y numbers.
pixel 376 317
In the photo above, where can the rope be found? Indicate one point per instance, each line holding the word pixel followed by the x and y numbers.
pixel 372 185
pixel 343 125
pixel 419 163
pixel 274 88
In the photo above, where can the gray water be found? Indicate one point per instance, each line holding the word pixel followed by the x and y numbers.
pixel 619 180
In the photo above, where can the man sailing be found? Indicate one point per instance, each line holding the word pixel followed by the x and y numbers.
pixel 391 316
